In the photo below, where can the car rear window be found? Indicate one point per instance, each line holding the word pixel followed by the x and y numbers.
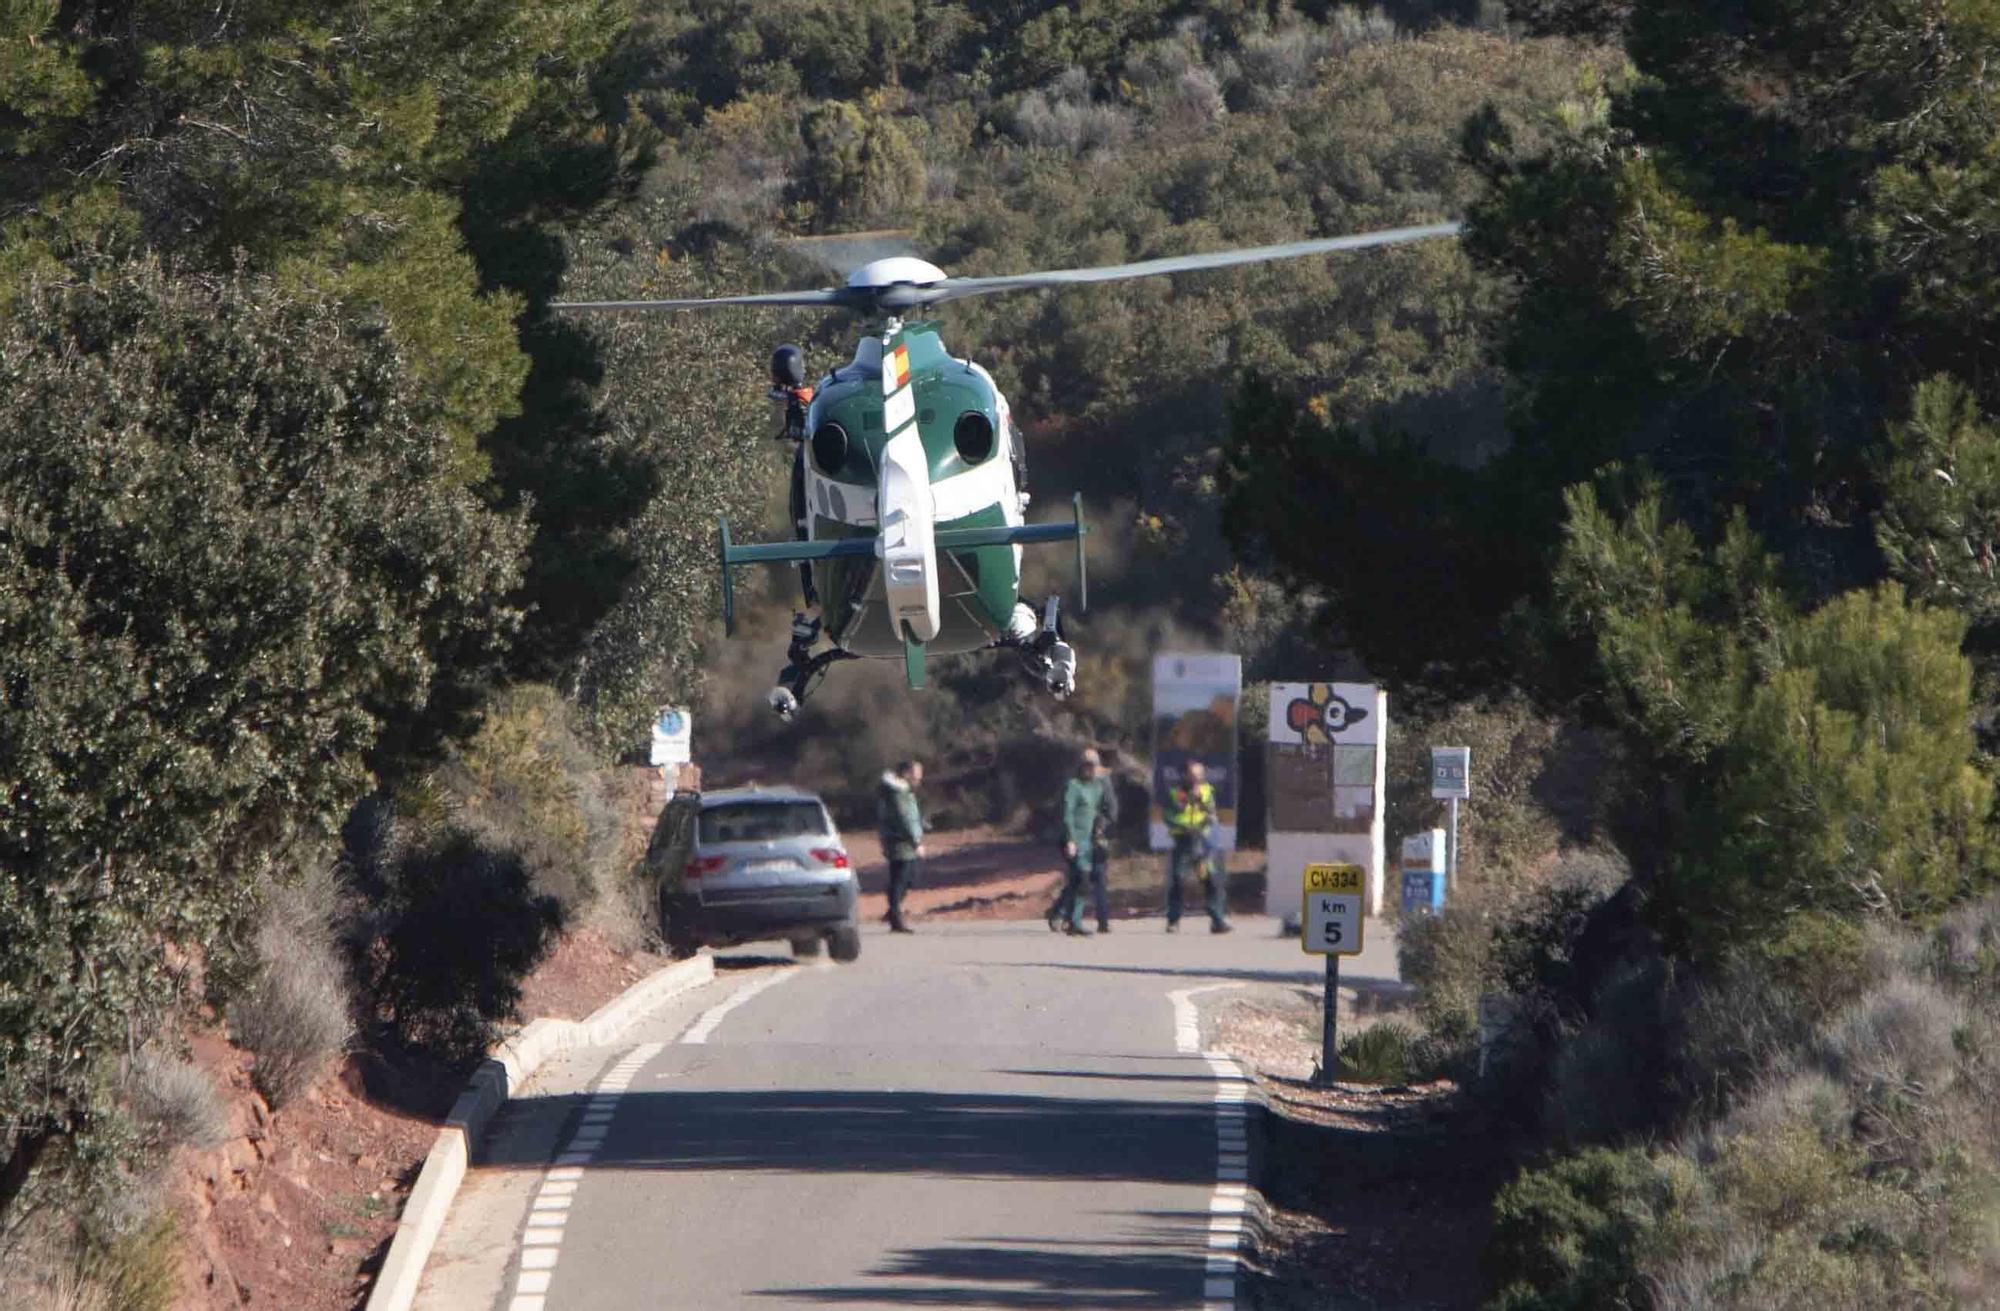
pixel 762 821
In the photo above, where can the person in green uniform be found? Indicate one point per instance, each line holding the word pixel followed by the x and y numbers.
pixel 1191 822
pixel 1084 844
pixel 901 825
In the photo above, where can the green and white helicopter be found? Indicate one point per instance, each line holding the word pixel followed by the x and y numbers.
pixel 909 481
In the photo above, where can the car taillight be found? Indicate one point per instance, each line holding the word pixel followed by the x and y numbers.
pixel 701 865
pixel 833 856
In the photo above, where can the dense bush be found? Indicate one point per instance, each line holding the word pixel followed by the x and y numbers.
pixel 460 926
pixel 1505 829
pixel 528 783
pixel 1837 1146
pixel 1573 1236
pixel 1384 1052
pixel 1515 936
pixel 234 546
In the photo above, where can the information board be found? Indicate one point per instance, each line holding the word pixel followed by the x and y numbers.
pixel 1451 773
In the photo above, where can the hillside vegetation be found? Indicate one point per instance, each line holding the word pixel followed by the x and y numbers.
pixel 335 569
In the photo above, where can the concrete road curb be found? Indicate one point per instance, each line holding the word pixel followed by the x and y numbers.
pixel 509 1065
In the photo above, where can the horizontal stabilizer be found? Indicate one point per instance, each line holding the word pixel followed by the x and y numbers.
pixel 788 552
pixel 734 554
pixel 731 555
pixel 1026 534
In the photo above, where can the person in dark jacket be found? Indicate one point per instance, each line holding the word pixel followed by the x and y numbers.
pixel 901 823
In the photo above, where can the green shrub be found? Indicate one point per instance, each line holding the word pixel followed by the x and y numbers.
pixel 461 927
pixel 527 782
pixel 1964 951
pixel 1383 1053
pixel 1823 960
pixel 859 166
pixel 1573 1235
pixel 1505 830
pixel 1610 1078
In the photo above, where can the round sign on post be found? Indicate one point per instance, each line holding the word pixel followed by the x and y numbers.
pixel 673 738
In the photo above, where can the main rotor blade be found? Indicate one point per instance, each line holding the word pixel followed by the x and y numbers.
pixel 835 296
pixel 903 296
pixel 957 288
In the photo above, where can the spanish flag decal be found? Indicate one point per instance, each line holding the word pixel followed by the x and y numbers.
pixel 899 366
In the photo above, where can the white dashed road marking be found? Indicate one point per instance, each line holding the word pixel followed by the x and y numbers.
pixel 715 1014
pixel 1230 1202
pixel 542 1235
pixel 548 1214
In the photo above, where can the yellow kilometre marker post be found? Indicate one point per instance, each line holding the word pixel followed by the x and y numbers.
pixel 1333 928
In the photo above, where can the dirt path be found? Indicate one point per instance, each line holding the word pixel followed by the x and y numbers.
pixel 977 873
pixel 987 873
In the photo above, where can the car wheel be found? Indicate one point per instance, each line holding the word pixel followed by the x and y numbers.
pixel 845 943
pixel 805 948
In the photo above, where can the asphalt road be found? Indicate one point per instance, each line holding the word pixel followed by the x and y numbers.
pixel 978 1115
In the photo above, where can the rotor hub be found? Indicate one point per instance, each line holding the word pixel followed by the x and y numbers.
pixel 896 270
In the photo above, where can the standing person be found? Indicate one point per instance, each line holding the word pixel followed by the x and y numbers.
pixel 902 829
pixel 1101 831
pixel 1191 821
pixel 1083 802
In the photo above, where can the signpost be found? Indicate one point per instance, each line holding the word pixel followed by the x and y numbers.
pixel 673 738
pixel 1423 873
pixel 1451 780
pixel 1332 927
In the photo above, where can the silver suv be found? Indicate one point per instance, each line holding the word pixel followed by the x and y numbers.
pixel 767 863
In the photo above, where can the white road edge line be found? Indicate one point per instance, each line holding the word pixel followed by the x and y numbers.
pixel 698 1033
pixel 1229 1201
pixel 540 1242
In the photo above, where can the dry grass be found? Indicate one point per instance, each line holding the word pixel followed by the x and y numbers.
pixel 58 1291
pixel 297 1016
pixel 175 1101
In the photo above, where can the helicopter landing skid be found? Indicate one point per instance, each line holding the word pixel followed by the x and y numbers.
pixel 1044 653
pixel 801 677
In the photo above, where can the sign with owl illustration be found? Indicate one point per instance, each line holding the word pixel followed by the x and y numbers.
pixel 1321 771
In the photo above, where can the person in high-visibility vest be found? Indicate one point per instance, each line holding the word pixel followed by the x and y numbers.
pixel 1191 821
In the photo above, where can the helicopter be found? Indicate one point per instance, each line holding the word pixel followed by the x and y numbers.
pixel 909 476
